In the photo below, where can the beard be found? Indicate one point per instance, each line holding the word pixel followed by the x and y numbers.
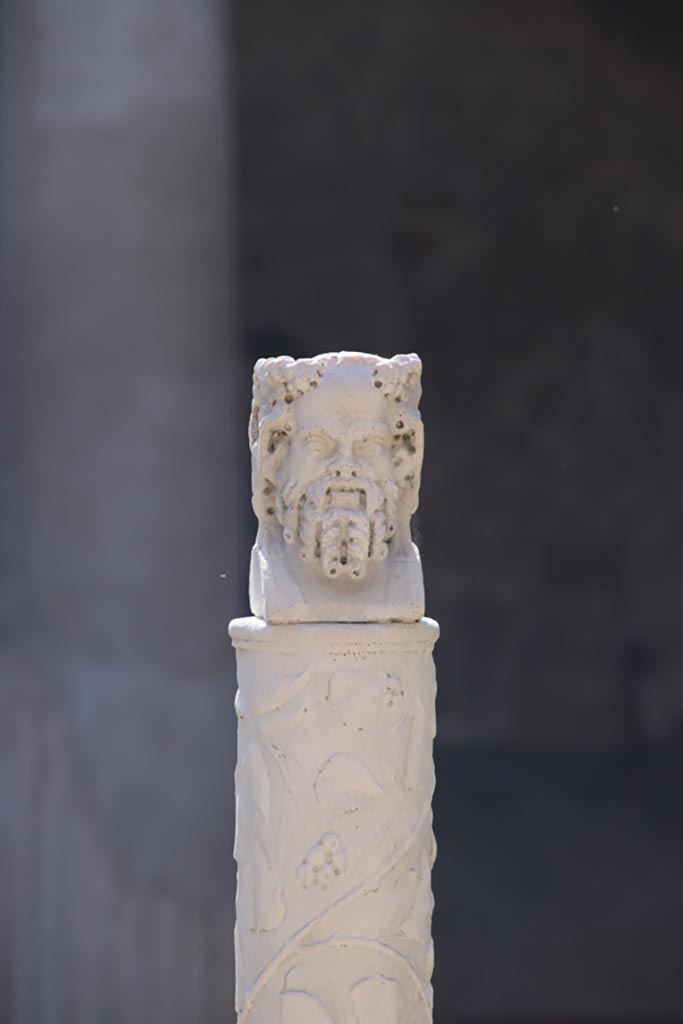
pixel 341 524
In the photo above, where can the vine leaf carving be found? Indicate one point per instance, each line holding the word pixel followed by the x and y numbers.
pixel 414 768
pixel 376 1000
pixel 345 684
pixel 415 907
pixel 344 773
pixel 302 1008
pixel 357 699
pixel 395 750
pixel 353 699
pixel 273 693
pixel 265 905
pixel 259 781
pixel 393 908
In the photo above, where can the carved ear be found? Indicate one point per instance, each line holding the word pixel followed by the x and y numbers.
pixel 270 430
pixel 274 445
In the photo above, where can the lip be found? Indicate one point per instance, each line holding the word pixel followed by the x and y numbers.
pixel 346 495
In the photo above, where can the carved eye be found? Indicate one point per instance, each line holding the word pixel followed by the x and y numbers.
pixel 321 445
pixel 369 447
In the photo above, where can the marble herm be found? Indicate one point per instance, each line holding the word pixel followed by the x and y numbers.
pixel 336 703
pixel 336 444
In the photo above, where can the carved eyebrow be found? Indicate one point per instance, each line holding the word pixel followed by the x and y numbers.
pixel 374 435
pixel 376 432
pixel 316 434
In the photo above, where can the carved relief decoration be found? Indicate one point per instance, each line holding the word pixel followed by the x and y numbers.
pixel 336 444
pixel 334 841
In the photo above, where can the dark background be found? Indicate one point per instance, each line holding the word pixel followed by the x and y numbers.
pixel 499 187
pixel 189 186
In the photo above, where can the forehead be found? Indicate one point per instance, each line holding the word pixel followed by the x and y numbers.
pixel 342 397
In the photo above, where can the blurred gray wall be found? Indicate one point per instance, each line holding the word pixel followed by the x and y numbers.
pixel 118 570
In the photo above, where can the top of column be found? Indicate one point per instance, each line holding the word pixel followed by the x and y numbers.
pixel 336 445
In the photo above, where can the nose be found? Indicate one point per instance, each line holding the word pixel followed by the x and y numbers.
pixel 343 463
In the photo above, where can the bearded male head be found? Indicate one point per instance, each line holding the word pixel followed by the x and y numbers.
pixel 336 445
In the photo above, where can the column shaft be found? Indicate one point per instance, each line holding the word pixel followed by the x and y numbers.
pixel 334 828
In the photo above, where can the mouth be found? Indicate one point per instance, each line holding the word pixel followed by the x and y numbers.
pixel 344 495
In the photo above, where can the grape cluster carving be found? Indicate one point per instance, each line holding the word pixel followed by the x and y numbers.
pixel 323 863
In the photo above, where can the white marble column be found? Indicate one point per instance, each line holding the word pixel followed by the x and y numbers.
pixel 335 705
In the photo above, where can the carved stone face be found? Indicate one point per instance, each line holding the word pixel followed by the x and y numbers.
pixel 337 479
pixel 337 446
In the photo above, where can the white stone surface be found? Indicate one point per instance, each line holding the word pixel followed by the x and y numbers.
pixel 334 838
pixel 336 445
